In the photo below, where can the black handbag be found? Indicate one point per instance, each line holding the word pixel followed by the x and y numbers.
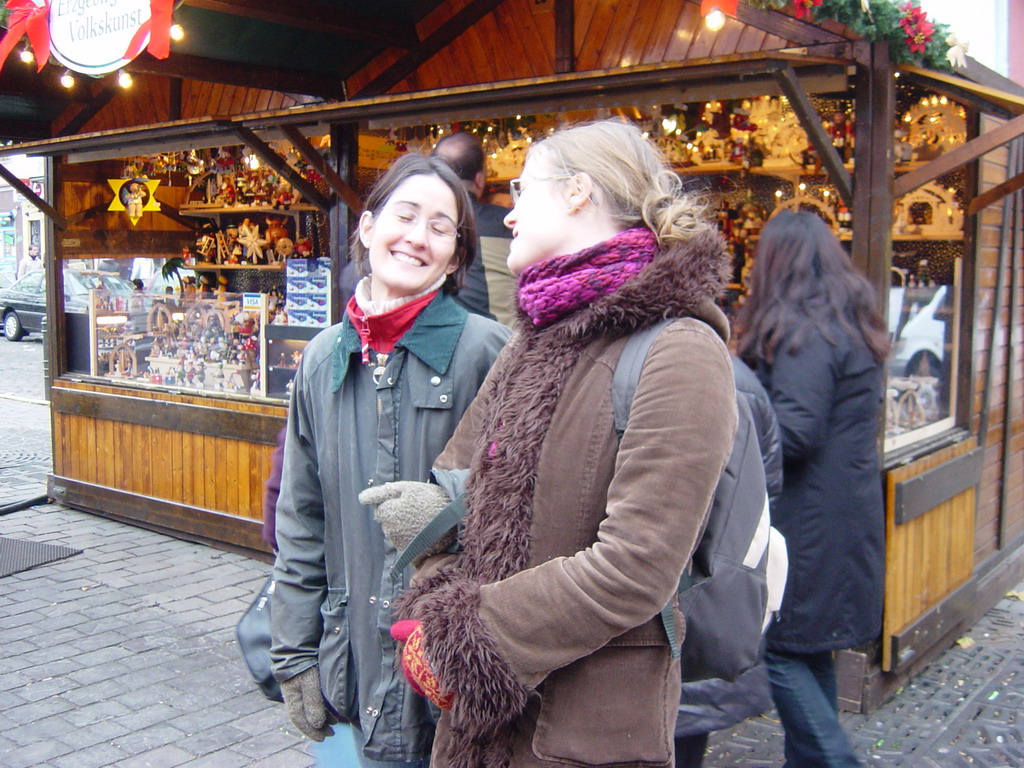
pixel 253 633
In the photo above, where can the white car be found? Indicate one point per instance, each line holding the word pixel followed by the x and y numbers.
pixel 918 319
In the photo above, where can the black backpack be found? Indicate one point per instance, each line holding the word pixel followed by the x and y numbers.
pixel 724 594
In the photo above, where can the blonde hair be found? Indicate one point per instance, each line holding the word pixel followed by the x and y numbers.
pixel 631 175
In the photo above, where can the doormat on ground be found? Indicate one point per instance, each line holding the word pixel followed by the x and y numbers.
pixel 18 555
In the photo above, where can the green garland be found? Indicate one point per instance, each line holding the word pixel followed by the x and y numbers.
pixel 881 25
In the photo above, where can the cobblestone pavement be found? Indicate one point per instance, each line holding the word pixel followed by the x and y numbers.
pixel 24 421
pixel 125 655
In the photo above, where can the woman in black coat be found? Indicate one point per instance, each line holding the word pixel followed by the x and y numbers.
pixel 811 331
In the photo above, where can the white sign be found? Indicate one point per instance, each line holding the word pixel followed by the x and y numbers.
pixel 93 36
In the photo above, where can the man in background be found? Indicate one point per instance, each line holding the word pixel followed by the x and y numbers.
pixel 490 288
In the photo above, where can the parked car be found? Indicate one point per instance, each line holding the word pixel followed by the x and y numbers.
pixel 23 304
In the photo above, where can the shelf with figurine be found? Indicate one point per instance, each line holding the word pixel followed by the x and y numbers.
pixel 245 244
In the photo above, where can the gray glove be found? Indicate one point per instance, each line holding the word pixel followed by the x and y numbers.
pixel 404 507
pixel 305 705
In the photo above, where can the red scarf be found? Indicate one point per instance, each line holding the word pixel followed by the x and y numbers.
pixel 382 332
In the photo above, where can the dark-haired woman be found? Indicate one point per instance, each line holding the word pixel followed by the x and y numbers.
pixel 811 330
pixel 375 399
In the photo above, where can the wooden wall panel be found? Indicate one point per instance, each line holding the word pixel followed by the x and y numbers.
pixel 997 524
pixel 929 556
pixel 208 472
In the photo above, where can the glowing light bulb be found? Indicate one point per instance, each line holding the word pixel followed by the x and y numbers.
pixel 778 193
pixel 803 186
pixel 177 32
pixel 26 55
pixel 715 20
pixel 124 79
pixel 67 80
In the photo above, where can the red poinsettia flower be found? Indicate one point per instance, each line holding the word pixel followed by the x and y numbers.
pixel 918 29
pixel 803 7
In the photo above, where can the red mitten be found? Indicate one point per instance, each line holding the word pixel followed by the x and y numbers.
pixel 415 666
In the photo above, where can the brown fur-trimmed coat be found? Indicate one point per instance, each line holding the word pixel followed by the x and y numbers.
pixel 546 624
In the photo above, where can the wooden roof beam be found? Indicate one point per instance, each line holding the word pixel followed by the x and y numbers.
pixel 89 111
pixel 24 130
pixel 319 17
pixel 22 188
pixel 428 47
pixel 315 159
pixel 963 154
pixel 190 67
pixel 21 81
pixel 267 154
pixel 811 123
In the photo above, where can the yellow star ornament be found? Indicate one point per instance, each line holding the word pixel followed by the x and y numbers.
pixel 134 196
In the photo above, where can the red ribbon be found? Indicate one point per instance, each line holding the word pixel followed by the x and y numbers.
pixel 158 27
pixel 27 18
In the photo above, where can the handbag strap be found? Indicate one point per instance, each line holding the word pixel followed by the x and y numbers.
pixel 443 522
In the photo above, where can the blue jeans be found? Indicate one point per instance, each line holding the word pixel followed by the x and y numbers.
pixel 804 690
pixel 344 750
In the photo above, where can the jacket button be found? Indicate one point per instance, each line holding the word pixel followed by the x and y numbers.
pixel 435 380
pixel 443 398
pixel 337 630
pixel 370 481
pixel 375 713
pixel 391 381
pixel 373 599
pixel 386 603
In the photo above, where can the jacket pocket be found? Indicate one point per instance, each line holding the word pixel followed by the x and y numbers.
pixel 337 680
pixel 432 390
pixel 615 707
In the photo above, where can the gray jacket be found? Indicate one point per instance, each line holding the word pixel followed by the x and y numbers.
pixel 334 591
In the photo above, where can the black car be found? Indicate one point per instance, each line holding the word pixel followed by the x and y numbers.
pixel 23 305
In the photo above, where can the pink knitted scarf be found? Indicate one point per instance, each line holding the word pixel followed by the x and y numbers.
pixel 555 287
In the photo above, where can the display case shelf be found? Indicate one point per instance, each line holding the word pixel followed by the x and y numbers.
pixel 210 267
pixel 242 210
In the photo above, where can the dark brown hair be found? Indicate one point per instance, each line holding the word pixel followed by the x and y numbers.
pixel 803 280
pixel 403 168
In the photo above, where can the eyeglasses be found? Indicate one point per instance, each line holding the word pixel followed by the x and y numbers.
pixel 442 228
pixel 515 186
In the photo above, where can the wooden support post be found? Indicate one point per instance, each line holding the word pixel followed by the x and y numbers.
pixel 174 99
pixel 565 44
pixel 267 154
pixel 811 123
pixel 55 348
pixel 24 190
pixel 871 248
pixel 315 159
pixel 344 159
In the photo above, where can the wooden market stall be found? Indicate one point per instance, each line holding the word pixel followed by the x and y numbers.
pixel 917 169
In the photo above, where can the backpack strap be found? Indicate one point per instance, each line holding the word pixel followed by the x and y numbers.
pixel 624 384
pixel 627 372
pixel 442 522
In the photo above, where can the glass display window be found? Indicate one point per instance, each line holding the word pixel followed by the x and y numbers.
pixel 924 325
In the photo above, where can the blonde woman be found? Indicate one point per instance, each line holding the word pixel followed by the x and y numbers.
pixel 542 635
